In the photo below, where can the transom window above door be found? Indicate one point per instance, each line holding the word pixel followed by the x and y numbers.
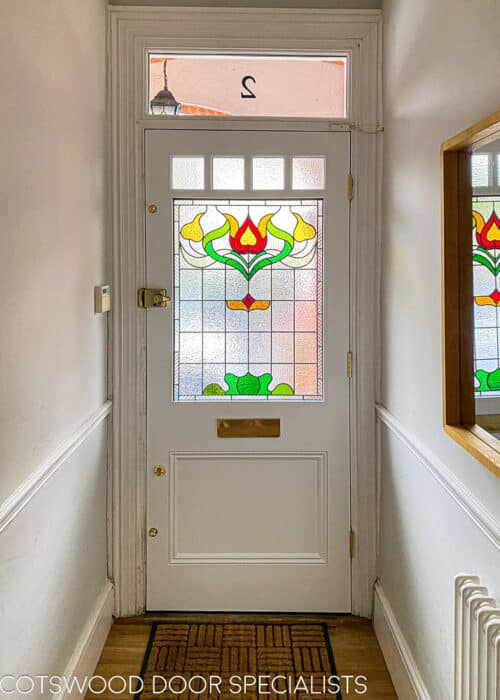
pixel 251 173
pixel 214 85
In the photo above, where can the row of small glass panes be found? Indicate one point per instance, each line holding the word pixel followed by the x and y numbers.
pixel 265 173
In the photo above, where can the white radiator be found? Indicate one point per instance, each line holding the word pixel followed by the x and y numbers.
pixel 477 641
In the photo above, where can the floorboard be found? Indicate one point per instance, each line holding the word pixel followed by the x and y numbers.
pixel 354 645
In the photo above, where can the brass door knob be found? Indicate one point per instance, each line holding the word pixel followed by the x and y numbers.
pixel 153 531
pixel 159 470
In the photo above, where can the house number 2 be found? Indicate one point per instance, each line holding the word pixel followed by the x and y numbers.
pixel 248 94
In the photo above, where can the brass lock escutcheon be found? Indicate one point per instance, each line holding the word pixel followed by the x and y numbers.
pixel 153 531
pixel 152 298
pixel 159 470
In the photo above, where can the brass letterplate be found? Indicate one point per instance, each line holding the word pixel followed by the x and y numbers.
pixel 248 427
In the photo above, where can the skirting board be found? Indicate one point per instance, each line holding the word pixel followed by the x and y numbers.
pixel 91 643
pixel 398 657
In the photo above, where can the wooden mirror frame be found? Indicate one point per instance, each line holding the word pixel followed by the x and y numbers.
pixel 459 415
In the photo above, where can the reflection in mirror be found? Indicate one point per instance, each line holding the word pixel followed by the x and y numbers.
pixel 485 175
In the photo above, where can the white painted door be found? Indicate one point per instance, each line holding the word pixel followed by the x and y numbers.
pixel 250 237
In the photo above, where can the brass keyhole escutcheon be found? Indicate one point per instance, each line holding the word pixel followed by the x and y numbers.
pixel 152 298
pixel 153 531
pixel 152 209
pixel 159 470
pixel 160 300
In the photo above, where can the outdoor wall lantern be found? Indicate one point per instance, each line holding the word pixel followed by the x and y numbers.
pixel 164 103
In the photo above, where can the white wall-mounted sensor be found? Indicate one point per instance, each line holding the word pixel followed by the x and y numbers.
pixel 102 298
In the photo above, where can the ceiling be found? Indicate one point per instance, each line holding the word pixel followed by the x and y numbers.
pixel 305 4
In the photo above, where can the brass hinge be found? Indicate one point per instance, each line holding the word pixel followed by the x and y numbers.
pixel 351 544
pixel 349 364
pixel 350 186
pixel 152 298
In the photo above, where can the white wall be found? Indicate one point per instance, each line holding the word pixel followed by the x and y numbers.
pixel 53 347
pixel 441 74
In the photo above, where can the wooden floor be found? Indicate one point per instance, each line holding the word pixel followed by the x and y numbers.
pixel 354 645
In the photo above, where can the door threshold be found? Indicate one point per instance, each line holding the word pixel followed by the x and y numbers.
pixel 240 617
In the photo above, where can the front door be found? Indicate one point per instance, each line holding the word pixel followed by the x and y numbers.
pixel 248 232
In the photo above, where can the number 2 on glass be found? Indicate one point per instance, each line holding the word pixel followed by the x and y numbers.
pixel 248 93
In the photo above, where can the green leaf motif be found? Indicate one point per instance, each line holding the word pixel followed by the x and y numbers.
pixel 492 266
pixel 258 261
pixel 213 390
pixel 283 390
pixel 248 385
pixel 488 381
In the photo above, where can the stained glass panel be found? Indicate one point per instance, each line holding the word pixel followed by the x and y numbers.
pixel 248 313
pixel 486 286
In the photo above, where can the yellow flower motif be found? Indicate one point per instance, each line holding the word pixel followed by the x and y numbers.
pixel 233 225
pixel 477 221
pixel 303 231
pixel 262 225
pixel 193 230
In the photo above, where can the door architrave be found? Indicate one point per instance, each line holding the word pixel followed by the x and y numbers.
pixel 132 32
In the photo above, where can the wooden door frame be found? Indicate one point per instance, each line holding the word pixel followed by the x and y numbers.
pixel 132 31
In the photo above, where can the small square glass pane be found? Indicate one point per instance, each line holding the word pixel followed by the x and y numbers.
pixel 188 173
pixel 480 163
pixel 228 173
pixel 308 173
pixel 268 173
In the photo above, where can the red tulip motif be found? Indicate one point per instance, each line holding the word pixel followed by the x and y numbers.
pixel 248 238
pixel 488 234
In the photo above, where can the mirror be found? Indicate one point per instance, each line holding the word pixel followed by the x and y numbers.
pixel 471 289
pixel 485 183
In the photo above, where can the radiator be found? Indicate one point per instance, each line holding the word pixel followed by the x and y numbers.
pixel 477 641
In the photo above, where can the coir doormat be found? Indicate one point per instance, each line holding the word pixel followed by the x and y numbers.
pixel 239 662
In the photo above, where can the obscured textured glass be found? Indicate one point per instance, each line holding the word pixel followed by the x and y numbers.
pixel 268 173
pixel 480 169
pixel 188 173
pixel 308 173
pixel 228 173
